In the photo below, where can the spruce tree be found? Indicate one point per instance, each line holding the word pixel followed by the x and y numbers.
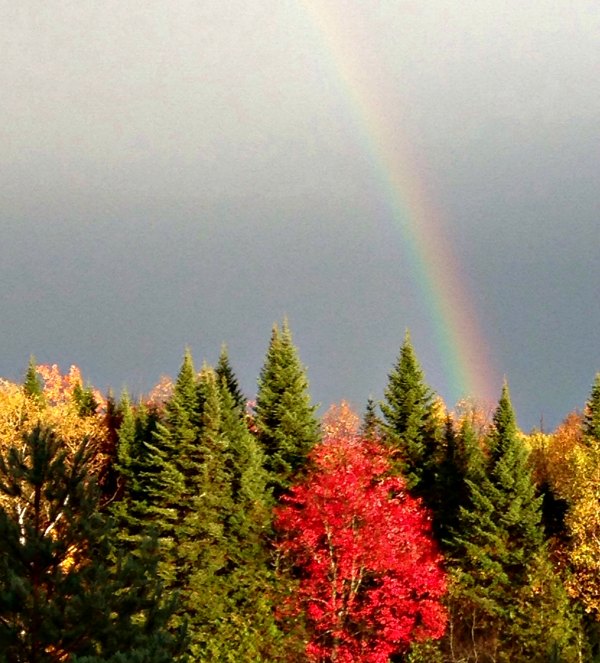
pixel 591 417
pixel 225 373
pixel 181 409
pixel 230 523
pixel 412 430
pixel 285 418
pixel 448 492
pixel 131 507
pixel 66 591
pixel 510 604
pixel 168 475
pixel 85 399
pixel 159 467
pixel 197 480
pixel 371 425
pixel 32 384
pixel 201 552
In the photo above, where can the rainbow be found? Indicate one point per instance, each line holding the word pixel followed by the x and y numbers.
pixel 463 351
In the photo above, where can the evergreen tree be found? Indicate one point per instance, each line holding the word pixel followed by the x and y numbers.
pixel 33 385
pixel 131 506
pixel 591 417
pixel 229 546
pixel 61 597
pixel 508 603
pixel 85 399
pixel 110 422
pixel 158 469
pixel 182 407
pixel 197 480
pixel 168 475
pixel 285 419
pixel 448 491
pixel 201 552
pixel 371 426
pixel 412 429
pixel 472 460
pixel 225 372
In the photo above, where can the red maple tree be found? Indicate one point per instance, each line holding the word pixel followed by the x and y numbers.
pixel 370 575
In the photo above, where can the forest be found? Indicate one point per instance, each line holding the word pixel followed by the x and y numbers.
pixel 194 524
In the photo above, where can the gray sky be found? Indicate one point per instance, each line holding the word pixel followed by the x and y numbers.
pixel 188 172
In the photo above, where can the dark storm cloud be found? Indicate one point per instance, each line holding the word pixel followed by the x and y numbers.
pixel 188 172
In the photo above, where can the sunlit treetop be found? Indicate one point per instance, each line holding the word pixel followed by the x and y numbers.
pixel 340 420
pixel 60 388
pixel 59 408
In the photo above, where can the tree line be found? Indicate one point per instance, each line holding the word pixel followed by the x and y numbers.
pixel 192 525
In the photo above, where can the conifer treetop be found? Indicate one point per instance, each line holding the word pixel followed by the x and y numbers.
pixel 285 418
pixel 32 384
pixel 226 374
pixel 504 427
pixel 406 392
pixel 184 400
pixel 591 416
pixel 412 426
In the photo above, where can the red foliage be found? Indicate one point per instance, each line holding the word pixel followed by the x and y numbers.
pixel 59 388
pixel 370 575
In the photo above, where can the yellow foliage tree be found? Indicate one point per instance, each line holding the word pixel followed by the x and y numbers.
pixel 583 525
pixel 340 420
pixel 58 410
pixel 571 463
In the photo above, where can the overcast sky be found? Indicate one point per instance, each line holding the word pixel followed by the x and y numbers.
pixel 187 172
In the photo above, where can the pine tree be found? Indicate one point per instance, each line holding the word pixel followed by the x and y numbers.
pixel 182 408
pixel 201 552
pixel 85 399
pixel 508 603
pixel 413 432
pixel 285 418
pixel 225 372
pixel 131 506
pixel 371 425
pixel 231 523
pixel 168 475
pixel 448 492
pixel 33 385
pixel 60 595
pixel 591 417
pixel 198 481
pixel 159 466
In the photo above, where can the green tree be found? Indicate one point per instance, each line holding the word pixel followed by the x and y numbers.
pixel 285 418
pixel 225 373
pixel 507 603
pixel 371 424
pixel 136 470
pixel 413 430
pixel 196 478
pixel 85 399
pixel 65 590
pixel 169 469
pixel 32 385
pixel 448 492
pixel 230 524
pixel 591 416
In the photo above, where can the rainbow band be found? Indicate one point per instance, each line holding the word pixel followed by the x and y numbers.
pixel 462 348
